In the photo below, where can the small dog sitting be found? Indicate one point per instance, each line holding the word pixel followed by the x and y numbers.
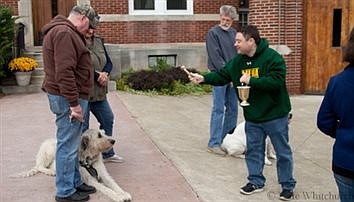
pixel 92 169
pixel 235 144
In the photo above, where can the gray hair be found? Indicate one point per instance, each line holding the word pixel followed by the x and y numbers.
pixel 228 10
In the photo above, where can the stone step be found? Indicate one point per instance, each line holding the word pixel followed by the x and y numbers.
pixel 38 72
pixel 37 79
pixel 35 86
pixel 9 85
pixel 15 89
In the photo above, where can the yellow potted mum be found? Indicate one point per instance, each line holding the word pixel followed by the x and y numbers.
pixel 22 68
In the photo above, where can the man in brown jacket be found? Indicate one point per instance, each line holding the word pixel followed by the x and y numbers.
pixel 67 82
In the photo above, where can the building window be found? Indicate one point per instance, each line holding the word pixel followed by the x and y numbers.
pixel 161 7
pixel 155 60
pixel 337 27
pixel 144 5
pixel 244 3
pixel 176 4
pixel 243 17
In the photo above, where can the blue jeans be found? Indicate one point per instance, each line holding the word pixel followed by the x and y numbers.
pixel 277 130
pixel 68 140
pixel 346 188
pixel 104 115
pixel 224 114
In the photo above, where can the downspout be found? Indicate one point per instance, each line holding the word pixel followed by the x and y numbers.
pixel 281 48
pixel 279 21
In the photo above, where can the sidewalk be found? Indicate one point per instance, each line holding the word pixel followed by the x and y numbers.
pixel 163 140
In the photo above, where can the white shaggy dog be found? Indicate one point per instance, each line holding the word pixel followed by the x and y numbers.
pixel 235 144
pixel 92 169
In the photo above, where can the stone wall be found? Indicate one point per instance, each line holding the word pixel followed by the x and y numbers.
pixel 135 56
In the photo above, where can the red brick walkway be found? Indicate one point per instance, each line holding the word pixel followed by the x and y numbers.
pixel 26 121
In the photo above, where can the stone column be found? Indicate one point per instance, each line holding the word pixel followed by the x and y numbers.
pixel 25 14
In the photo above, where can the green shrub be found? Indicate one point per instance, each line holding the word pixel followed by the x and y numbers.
pixel 189 89
pixel 7 34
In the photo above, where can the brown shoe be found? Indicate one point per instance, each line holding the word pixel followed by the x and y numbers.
pixel 216 150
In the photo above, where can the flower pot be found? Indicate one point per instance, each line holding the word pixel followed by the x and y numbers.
pixel 23 78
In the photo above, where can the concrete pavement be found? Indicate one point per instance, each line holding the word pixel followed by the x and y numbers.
pixel 163 140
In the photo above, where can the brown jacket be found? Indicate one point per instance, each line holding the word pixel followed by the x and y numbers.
pixel 67 61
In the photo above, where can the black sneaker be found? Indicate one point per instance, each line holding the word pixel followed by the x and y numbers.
pixel 87 189
pixel 286 195
pixel 250 188
pixel 75 197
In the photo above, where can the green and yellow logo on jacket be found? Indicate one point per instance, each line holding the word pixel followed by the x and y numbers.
pixel 253 72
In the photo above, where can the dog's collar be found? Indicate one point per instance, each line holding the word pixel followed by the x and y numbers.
pixel 90 169
pixel 89 160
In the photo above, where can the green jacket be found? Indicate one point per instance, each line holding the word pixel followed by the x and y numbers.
pixel 269 98
pixel 99 59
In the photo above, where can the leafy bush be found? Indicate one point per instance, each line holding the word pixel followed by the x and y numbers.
pixel 7 34
pixel 168 81
pixel 149 80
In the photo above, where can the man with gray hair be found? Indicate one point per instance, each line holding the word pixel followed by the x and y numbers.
pixel 67 82
pixel 220 48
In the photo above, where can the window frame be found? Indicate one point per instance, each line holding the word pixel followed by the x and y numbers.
pixel 243 12
pixel 161 9
pixel 166 57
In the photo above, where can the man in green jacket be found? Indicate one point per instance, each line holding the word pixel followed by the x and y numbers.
pixel 264 70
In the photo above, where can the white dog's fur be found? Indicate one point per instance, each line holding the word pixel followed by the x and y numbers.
pixel 235 144
pixel 93 143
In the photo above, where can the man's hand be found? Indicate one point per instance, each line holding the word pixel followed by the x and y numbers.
pixel 195 78
pixel 245 78
pixel 76 113
pixel 103 78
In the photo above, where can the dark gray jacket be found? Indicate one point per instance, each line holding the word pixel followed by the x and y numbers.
pixel 220 47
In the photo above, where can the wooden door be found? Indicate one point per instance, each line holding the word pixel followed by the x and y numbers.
pixel 65 6
pixel 44 10
pixel 41 14
pixel 327 25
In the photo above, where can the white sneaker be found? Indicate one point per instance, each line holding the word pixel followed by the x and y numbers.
pixel 114 159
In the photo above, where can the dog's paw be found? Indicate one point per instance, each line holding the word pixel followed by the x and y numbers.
pixel 50 173
pixel 272 156
pixel 127 197
pixel 122 196
pixel 267 162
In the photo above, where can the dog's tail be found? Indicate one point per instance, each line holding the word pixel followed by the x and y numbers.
pixel 24 174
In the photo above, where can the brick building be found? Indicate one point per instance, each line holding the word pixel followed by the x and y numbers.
pixel 309 34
